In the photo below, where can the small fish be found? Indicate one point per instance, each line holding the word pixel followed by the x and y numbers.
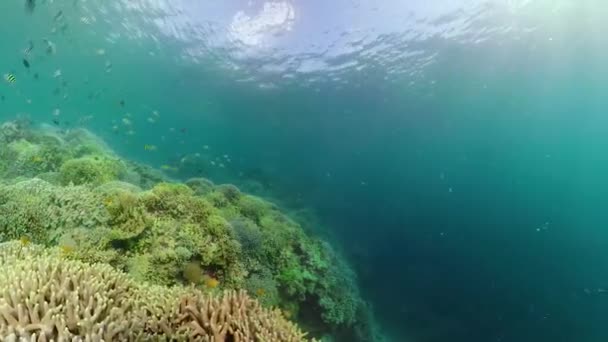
pixel 2 98
pixel 66 249
pixel 36 76
pixel 50 47
pixel 25 240
pixel 29 49
pixel 10 78
pixel 56 112
pixel 183 130
pixel 58 15
pixel 211 282
pixel 57 73
pixel 37 159
pixel 260 292
pixel 150 147
pixel 30 5
pixel 287 313
pixel 108 202
pixel 56 122
pixel 169 168
pixel 121 103
pixel 26 63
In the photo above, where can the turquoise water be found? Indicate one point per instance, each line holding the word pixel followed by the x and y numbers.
pixel 454 150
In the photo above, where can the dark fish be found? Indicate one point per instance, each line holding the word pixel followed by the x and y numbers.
pixel 2 97
pixel 122 103
pixel 56 122
pixel 56 91
pixel 36 76
pixel 183 130
pixel 26 63
pixel 29 48
pixel 30 5
pixel 58 15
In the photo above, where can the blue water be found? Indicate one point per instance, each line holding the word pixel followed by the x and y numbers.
pixel 454 150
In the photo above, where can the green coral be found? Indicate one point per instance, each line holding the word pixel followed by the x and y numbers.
pixel 91 204
pixel 201 186
pixel 90 170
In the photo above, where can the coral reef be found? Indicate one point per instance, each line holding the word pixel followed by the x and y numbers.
pixel 49 298
pixel 79 196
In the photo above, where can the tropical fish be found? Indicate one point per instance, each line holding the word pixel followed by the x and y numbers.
pixel 260 292
pixel 169 168
pixel 211 282
pixel 150 147
pixel 25 240
pixel 10 78
pixel 30 5
pixel 58 15
pixel 67 249
pixel 29 48
pixel 50 47
pixel 287 313
pixel 26 63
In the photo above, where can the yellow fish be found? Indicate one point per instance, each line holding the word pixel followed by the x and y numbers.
pixel 168 168
pixel 108 202
pixel 66 249
pixel 36 159
pixel 287 313
pixel 10 78
pixel 260 292
pixel 25 240
pixel 150 147
pixel 211 282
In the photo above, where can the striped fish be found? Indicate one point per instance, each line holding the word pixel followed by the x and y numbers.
pixel 10 78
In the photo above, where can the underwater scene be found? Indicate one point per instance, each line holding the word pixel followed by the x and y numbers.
pixel 291 170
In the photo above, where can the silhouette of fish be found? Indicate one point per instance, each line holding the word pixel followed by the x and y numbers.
pixel 30 5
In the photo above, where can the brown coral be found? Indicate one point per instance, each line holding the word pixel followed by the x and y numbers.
pixel 44 297
pixel 235 317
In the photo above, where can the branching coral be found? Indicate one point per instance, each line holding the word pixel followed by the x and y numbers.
pixel 235 317
pixel 45 297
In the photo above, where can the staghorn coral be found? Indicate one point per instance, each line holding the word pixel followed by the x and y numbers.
pixel 235 317
pixel 45 297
